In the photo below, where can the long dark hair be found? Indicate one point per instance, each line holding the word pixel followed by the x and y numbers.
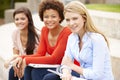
pixel 32 35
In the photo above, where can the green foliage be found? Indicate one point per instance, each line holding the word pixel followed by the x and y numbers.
pixel 6 4
pixel 104 7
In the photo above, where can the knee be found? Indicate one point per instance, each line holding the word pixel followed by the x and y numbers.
pixel 51 76
pixel 11 71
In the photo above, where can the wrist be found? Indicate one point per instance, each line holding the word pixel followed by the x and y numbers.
pixel 64 69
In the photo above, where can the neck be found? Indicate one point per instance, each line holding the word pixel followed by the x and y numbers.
pixel 55 31
pixel 24 32
pixel 81 33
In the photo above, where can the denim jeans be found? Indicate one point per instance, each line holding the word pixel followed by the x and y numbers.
pixel 11 75
pixel 52 76
pixel 35 73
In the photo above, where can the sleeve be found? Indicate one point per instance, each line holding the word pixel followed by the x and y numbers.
pixel 57 54
pixel 68 50
pixel 14 39
pixel 100 49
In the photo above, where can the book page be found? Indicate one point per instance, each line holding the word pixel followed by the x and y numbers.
pixel 43 65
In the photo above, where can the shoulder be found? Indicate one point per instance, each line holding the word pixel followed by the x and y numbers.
pixel 73 38
pixel 44 28
pixel 66 31
pixel 96 36
pixel 15 33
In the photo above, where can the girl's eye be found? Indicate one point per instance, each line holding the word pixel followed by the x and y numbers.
pixel 22 18
pixel 45 16
pixel 53 16
pixel 67 20
pixel 75 18
pixel 16 19
pixel 48 16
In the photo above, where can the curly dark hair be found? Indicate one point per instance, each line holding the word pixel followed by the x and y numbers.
pixel 51 4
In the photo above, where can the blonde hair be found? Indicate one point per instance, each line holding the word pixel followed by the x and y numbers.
pixel 80 8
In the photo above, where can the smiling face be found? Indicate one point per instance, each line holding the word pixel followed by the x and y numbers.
pixel 75 21
pixel 21 21
pixel 51 18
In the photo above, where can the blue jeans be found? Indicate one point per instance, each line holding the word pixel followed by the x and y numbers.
pixel 11 75
pixel 35 73
pixel 52 76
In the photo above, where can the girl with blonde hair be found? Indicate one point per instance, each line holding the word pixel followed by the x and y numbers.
pixel 87 45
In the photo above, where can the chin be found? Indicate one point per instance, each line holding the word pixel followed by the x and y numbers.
pixel 21 28
pixel 74 31
pixel 50 27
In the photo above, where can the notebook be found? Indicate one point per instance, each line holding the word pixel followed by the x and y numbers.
pixel 44 65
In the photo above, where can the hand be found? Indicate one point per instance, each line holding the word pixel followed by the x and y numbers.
pixel 16 65
pixel 67 61
pixel 17 62
pixel 7 62
pixel 66 76
pixel 21 69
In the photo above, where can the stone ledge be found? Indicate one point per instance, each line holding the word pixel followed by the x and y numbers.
pixel 8 15
pixel 115 57
pixel 114 47
pixel 116 67
pixel 21 4
pixel 107 22
pixel 3 71
pixel 110 15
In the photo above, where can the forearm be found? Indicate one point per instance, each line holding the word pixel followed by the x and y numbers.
pixel 12 58
pixel 69 63
pixel 42 60
pixel 76 68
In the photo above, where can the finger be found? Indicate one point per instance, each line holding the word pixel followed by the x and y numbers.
pixel 22 71
pixel 14 63
pixel 6 65
pixel 19 62
pixel 15 72
pixel 19 73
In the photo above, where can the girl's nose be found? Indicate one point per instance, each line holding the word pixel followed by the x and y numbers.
pixel 71 22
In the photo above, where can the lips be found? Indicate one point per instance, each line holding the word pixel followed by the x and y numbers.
pixel 73 27
pixel 20 25
pixel 50 24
